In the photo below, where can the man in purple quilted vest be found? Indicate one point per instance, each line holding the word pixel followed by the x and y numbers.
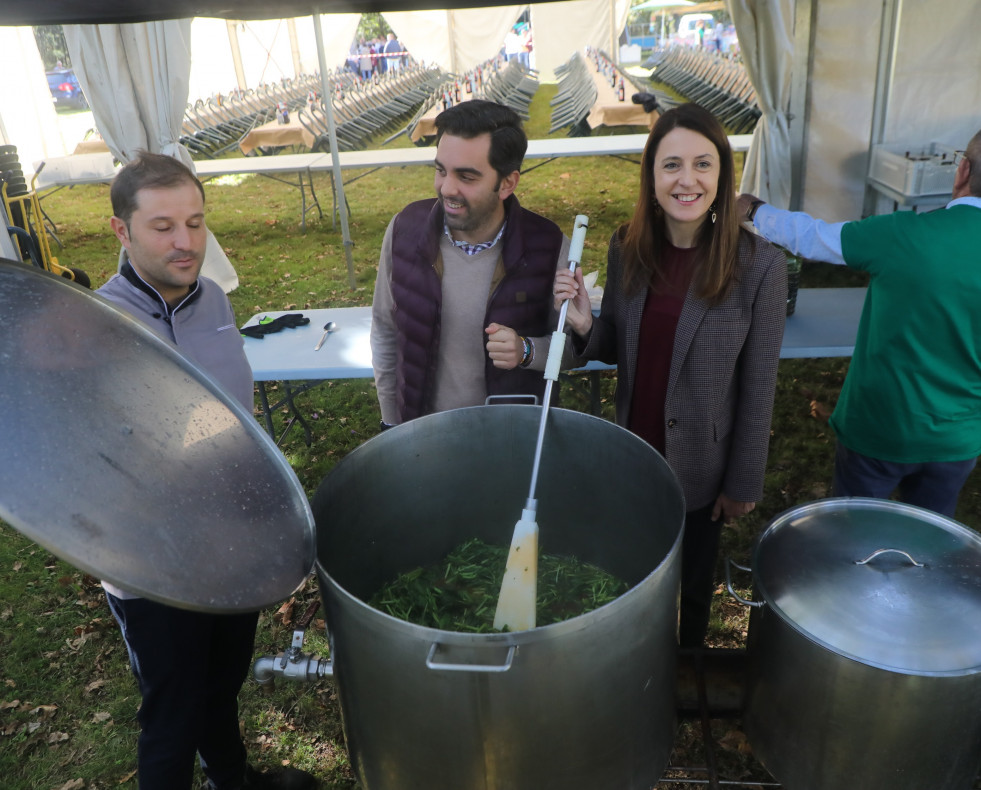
pixel 463 299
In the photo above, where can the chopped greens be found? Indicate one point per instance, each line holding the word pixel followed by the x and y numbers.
pixel 460 592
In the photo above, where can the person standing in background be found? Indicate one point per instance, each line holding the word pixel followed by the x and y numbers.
pixel 908 418
pixel 190 666
pixel 693 313
pixel 463 298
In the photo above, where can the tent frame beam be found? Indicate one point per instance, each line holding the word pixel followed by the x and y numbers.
pixel 799 114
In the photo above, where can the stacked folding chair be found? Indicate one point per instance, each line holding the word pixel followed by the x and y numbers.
pixel 719 84
pixel 575 97
pixel 365 108
pixel 513 85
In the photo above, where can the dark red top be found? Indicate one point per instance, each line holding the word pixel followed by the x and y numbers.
pixel 656 343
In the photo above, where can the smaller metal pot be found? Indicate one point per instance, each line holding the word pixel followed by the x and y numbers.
pixel 864 648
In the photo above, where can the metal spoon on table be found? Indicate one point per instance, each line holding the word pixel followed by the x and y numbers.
pixel 329 327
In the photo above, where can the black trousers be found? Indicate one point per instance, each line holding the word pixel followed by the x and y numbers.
pixel 699 550
pixel 190 667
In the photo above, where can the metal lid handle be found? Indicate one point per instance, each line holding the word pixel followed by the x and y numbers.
pixel 877 552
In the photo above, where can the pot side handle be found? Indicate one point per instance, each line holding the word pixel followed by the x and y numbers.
pixel 432 663
pixel 731 564
pixel 877 552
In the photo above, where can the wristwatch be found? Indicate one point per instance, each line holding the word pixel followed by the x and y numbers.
pixel 752 209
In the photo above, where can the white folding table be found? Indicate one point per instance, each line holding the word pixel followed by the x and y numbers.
pixel 824 324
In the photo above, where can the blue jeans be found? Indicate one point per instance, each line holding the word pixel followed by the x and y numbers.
pixel 189 667
pixel 933 485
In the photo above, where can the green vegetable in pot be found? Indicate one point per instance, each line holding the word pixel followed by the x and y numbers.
pixel 460 593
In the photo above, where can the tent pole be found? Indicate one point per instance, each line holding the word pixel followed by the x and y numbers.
pixel 884 77
pixel 334 158
pixel 236 54
pixel 294 47
pixel 452 40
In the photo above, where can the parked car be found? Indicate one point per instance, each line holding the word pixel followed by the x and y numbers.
pixel 65 90
pixel 688 28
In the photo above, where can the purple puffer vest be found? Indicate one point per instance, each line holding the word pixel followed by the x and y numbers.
pixel 523 300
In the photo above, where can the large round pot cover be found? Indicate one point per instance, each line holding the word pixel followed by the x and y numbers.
pixel 126 460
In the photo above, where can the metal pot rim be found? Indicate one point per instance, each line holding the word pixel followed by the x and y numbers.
pixel 883 583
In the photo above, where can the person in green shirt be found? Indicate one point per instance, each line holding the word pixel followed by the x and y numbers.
pixel 909 415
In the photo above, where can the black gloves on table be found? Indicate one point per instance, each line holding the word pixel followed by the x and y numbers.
pixel 267 326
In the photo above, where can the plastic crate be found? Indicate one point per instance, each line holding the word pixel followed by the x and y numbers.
pixel 915 169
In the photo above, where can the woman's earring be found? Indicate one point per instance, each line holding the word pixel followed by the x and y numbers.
pixel 712 209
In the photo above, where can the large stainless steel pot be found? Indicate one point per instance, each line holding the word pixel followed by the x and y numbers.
pixel 864 648
pixel 586 704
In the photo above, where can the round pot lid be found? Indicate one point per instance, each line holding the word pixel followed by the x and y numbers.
pixel 887 584
pixel 126 460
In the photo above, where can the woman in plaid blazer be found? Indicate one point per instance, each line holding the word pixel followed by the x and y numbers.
pixel 693 313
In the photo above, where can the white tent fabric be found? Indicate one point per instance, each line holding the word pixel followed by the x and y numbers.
pixel 337 31
pixel 765 29
pixel 560 29
pixel 213 62
pixel 136 80
pixel 459 39
pixel 27 116
pixel 935 96
pixel 455 40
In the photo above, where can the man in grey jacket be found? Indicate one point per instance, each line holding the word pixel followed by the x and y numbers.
pixel 189 665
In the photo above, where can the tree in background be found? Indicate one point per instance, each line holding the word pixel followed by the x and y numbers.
pixel 52 46
pixel 372 26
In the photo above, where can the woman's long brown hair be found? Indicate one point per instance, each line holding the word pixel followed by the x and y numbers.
pixel 716 258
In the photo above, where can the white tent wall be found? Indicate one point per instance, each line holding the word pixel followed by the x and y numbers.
pixel 265 48
pixel 935 92
pixel 27 115
pixel 267 56
pixel 338 31
pixel 561 29
pixel 212 66
pixel 455 40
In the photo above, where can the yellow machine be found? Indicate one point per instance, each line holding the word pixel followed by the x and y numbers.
pixel 27 226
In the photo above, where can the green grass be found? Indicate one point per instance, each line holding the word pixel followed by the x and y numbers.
pixel 68 702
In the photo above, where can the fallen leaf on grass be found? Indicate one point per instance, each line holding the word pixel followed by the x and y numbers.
pixel 98 718
pixel 284 614
pixel 45 711
pixel 57 737
pixel 9 705
pixel 820 411
pixel 95 685
pixel 74 784
pixel 127 777
pixel 18 565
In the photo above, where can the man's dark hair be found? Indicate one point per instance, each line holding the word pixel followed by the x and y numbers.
pixel 147 171
pixel 473 118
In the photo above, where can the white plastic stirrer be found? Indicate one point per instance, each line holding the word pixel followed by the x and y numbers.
pixel 519 590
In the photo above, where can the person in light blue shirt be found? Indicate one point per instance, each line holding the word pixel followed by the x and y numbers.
pixel 909 415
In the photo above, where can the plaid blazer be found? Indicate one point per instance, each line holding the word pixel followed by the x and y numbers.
pixel 723 375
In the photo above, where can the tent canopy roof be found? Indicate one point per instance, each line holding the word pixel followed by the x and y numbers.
pixel 65 12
